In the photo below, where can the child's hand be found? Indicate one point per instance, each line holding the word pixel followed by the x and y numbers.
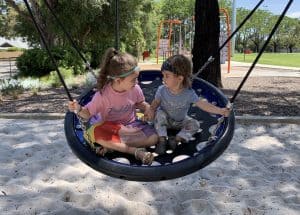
pixel 74 106
pixel 149 114
pixel 225 111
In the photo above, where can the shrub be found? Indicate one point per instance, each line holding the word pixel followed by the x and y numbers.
pixel 35 63
pixel 53 78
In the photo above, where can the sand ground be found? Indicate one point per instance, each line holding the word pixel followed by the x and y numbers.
pixel 259 173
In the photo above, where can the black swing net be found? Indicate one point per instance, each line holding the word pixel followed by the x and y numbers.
pixel 207 145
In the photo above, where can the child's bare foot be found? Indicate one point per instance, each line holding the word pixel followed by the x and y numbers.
pixel 101 150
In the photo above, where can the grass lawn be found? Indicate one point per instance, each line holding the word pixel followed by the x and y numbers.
pixel 278 59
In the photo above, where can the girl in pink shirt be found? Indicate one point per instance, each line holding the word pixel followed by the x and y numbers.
pixel 114 108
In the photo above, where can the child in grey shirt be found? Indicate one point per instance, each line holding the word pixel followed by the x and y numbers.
pixel 172 102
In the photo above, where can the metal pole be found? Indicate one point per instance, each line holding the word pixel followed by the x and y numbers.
pixel 180 40
pixel 10 73
pixel 117 24
pixel 233 25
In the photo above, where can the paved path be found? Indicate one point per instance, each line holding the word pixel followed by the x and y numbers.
pixel 239 69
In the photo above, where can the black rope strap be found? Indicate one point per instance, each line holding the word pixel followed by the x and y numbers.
pixel 117 26
pixel 87 64
pixel 212 57
pixel 66 32
pixel 262 50
pixel 48 50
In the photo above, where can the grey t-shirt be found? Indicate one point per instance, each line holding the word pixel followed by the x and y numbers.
pixel 176 106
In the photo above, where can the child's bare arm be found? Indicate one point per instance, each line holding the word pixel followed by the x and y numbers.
pixel 210 108
pixel 154 105
pixel 143 106
pixel 79 110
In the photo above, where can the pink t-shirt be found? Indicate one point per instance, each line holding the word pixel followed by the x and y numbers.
pixel 115 106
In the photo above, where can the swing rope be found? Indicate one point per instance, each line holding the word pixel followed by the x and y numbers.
pixel 210 60
pixel 48 50
pixel 87 64
pixel 212 57
pixel 262 50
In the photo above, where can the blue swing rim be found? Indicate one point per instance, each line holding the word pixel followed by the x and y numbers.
pixel 151 173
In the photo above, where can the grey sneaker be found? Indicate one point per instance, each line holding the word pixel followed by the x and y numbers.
pixel 172 143
pixel 175 141
pixel 161 147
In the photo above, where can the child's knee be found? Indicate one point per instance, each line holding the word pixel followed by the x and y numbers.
pixel 153 139
pixel 192 125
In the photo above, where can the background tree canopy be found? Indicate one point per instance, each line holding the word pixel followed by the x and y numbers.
pixel 91 23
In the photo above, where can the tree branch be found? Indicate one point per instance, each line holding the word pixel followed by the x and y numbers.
pixel 16 7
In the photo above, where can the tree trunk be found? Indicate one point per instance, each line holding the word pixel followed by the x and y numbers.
pixel 43 22
pixel 275 48
pixel 206 40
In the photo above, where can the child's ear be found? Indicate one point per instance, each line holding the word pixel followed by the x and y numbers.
pixel 118 80
pixel 181 78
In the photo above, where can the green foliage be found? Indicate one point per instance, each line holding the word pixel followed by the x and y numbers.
pixel 37 63
pixel 177 9
pixel 68 58
pixel 226 4
pixel 254 33
pixel 7 20
pixel 91 25
pixel 34 62
pixel 53 79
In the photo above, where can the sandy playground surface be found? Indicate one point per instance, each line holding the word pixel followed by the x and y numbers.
pixel 259 173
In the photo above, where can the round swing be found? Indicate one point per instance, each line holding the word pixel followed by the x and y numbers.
pixel 212 139
pixel 210 142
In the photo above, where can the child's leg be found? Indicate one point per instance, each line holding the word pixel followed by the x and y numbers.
pixel 146 142
pixel 107 135
pixel 161 125
pixel 189 127
pixel 139 153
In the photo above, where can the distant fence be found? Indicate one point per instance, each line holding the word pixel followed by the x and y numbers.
pixel 8 63
pixel 167 54
pixel 8 67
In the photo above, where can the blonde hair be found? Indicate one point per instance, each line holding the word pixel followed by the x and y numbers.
pixel 114 64
pixel 182 66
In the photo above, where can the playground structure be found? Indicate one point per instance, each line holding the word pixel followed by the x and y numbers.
pixel 163 47
pixel 168 46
